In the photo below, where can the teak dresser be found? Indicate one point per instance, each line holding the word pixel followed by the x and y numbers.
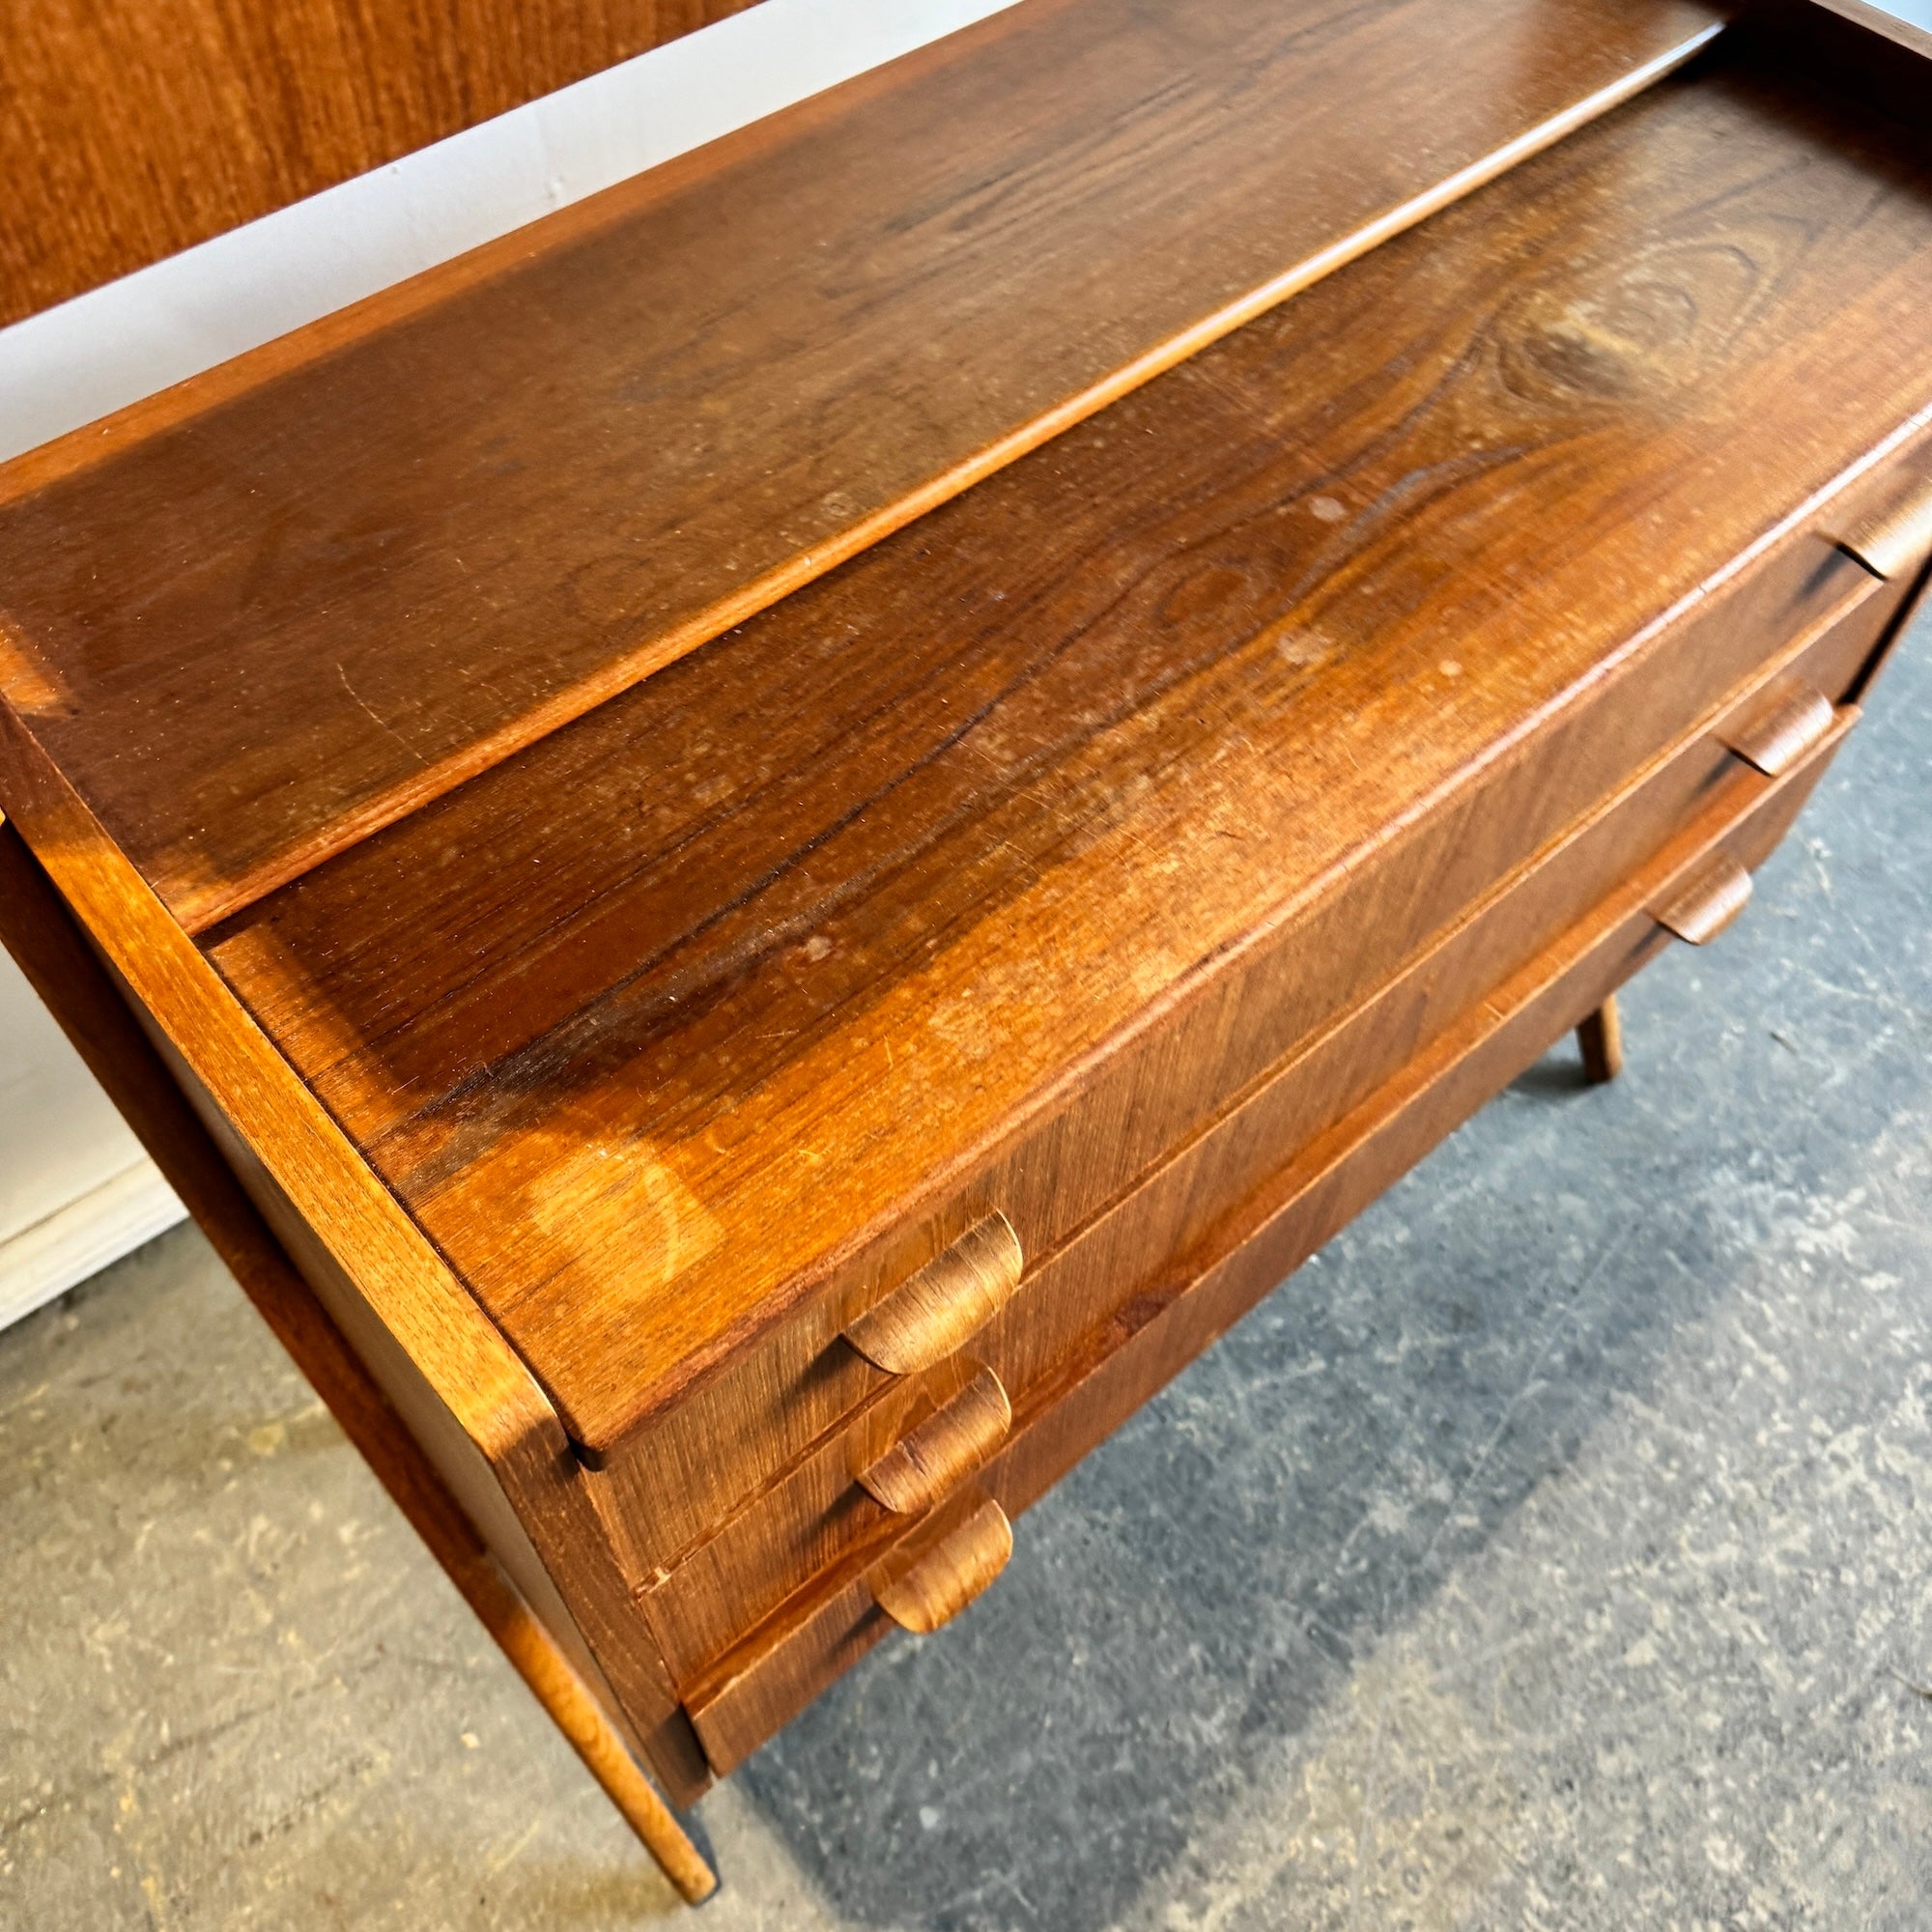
pixel 758 855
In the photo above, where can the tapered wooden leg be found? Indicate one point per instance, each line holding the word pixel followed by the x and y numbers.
pixel 41 934
pixel 1601 1036
pixel 558 1689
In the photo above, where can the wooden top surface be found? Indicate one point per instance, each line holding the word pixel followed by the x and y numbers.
pixel 645 1022
pixel 268 612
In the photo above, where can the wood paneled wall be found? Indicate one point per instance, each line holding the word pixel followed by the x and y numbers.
pixel 133 129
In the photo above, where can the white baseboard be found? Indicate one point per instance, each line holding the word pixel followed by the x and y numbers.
pixel 77 1240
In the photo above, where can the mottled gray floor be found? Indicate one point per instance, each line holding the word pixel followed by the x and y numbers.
pixel 1555 1551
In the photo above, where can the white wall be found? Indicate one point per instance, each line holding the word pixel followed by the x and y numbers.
pixel 75 1191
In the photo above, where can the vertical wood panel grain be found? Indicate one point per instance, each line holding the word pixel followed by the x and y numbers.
pixel 136 130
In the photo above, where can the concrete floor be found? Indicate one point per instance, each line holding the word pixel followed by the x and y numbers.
pixel 1554 1551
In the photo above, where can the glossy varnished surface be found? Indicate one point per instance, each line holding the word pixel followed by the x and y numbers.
pixel 784 1533
pixel 766 1679
pixel 646 1022
pixel 1144 1664
pixel 410 541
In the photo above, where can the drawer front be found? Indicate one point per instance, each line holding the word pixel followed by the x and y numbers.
pixel 1244 1251
pixel 804 1519
pixel 1121 1362
pixel 675 1481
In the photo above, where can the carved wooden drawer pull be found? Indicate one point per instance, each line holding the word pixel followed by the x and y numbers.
pixel 934 1312
pixel 1707 902
pixel 950 1444
pixel 1894 542
pixel 946 1577
pixel 1780 735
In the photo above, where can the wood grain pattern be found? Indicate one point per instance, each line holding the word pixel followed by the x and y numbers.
pixel 940 1307
pixel 763 1406
pixel 40 935
pixel 1708 903
pixel 1776 736
pixel 812 1516
pixel 143 130
pixel 927 1593
pixel 1893 542
pixel 405 550
pixel 449 1372
pixel 824 1628
pixel 1317 1194
pixel 936 1455
pixel 1079 903
pixel 896 943
pixel 1328 1184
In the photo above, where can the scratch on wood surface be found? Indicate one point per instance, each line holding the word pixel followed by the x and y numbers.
pixel 380 724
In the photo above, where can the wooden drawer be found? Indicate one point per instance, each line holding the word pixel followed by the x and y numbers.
pixel 805 1518
pixel 989 869
pixel 1082 1149
pixel 785 1458
pixel 1241 1252
pixel 1049 851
